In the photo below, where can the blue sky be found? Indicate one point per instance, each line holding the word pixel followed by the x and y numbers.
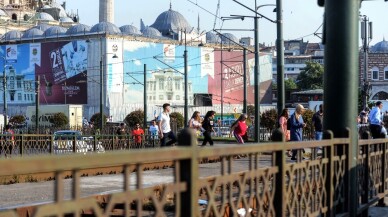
pixel 301 17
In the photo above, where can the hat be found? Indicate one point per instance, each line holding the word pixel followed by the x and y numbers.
pixel 299 107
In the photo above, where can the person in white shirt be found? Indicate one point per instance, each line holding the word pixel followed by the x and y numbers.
pixel 164 127
pixel 376 121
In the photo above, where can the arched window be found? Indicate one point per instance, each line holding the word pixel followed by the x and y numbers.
pixel 14 17
pixel 380 96
pixel 374 73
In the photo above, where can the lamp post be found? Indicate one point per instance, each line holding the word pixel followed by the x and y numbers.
pixel 366 36
pixel 186 108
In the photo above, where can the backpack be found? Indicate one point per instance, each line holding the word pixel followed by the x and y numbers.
pixel 289 123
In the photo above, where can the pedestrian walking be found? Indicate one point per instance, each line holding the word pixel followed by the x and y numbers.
pixel 165 127
pixel 195 123
pixel 239 129
pixel 153 131
pixel 120 140
pixel 283 123
pixel 296 127
pixel 137 135
pixel 207 124
pixel 376 120
pixel 317 122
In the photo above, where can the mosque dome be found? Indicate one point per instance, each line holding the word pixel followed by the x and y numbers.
pixel 32 33
pixel 130 30
pixel 66 20
pixel 62 12
pixel 171 21
pixel 78 29
pixel 105 27
pixel 42 27
pixel 12 35
pixel 151 32
pixel 55 31
pixel 44 16
pixel 228 37
pixel 212 38
pixel 381 47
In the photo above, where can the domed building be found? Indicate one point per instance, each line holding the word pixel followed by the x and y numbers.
pixel 151 32
pixel 381 47
pixel 32 33
pixel 12 35
pixel 105 27
pixel 129 30
pixel 55 31
pixel 170 22
pixel 78 29
pixel 229 38
pixel 212 38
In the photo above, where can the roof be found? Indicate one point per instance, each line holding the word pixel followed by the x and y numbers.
pixel 12 35
pixel 130 30
pixel 66 20
pixel 55 30
pixel 212 38
pixel 44 16
pixel 78 29
pixel 381 47
pixel 32 33
pixel 171 21
pixel 151 32
pixel 106 27
pixel 42 27
pixel 229 38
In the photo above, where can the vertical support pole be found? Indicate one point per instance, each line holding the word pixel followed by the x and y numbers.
pixel 280 57
pixel 145 97
pixel 341 86
pixel 4 95
pixel 383 172
pixel 245 110
pixel 186 110
pixel 364 36
pixel 222 84
pixel 101 97
pixel 328 153
pixel 188 173
pixel 279 160
pixel 257 80
pixel 37 98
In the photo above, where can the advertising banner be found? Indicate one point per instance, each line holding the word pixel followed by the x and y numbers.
pixel 114 66
pixel 207 62
pixel 35 53
pixel 11 55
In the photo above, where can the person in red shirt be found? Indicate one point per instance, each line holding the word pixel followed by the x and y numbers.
pixel 239 129
pixel 137 134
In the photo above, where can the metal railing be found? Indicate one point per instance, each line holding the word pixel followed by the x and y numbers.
pixel 267 186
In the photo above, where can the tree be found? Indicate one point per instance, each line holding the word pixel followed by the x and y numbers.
pixel 96 120
pixel 178 117
pixel 251 110
pixel 59 119
pixel 135 117
pixel 307 118
pixel 269 119
pixel 289 84
pixel 311 76
pixel 17 119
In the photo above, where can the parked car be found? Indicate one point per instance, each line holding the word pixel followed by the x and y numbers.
pixel 64 141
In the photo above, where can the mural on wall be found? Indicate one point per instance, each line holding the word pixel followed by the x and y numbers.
pixel 165 72
pixel 232 69
pixel 19 62
pixel 63 77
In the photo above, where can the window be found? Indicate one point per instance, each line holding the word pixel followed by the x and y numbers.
pixel 386 73
pixel 19 97
pixel 177 85
pixel 19 83
pixel 375 73
pixel 11 83
pixel 178 97
pixel 161 97
pixel 161 84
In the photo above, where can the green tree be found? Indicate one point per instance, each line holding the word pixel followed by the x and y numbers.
pixel 251 110
pixel 178 117
pixel 96 120
pixel 289 84
pixel 269 119
pixel 17 119
pixel 311 76
pixel 307 118
pixel 135 117
pixel 59 119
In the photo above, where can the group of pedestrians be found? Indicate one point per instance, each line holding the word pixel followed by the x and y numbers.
pixel 292 126
pixel 376 121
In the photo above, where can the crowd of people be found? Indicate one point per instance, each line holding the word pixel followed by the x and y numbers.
pixel 373 121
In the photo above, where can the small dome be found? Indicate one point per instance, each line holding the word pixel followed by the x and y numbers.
pixel 32 33
pixel 226 37
pixel 381 47
pixel 212 38
pixel 62 12
pixel 44 16
pixel 46 6
pixel 42 27
pixel 105 27
pixel 171 21
pixel 12 35
pixel 55 31
pixel 78 29
pixel 3 14
pixel 151 32
pixel 130 30
pixel 66 20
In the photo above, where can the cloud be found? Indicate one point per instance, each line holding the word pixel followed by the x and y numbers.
pixel 137 62
pixel 135 45
pixel 28 71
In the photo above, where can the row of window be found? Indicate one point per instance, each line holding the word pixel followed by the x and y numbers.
pixel 27 97
pixel 375 73
pixel 169 97
pixel 152 85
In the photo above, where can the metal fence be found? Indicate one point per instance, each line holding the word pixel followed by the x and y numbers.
pixel 262 187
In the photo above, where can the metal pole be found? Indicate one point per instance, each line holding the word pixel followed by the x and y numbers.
pixel 365 78
pixel 222 86
pixel 280 56
pixel 341 87
pixel 257 80
pixel 145 96
pixel 4 95
pixel 101 97
pixel 186 109
pixel 37 89
pixel 245 110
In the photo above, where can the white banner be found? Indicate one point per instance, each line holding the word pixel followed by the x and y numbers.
pixel 11 53
pixel 207 62
pixel 35 54
pixel 168 52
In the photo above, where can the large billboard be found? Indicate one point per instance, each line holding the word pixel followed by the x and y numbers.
pixel 63 72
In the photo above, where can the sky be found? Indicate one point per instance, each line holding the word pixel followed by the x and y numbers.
pixel 302 18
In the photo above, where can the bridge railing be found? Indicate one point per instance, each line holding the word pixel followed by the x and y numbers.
pixel 241 178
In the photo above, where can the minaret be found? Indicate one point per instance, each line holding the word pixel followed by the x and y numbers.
pixel 107 12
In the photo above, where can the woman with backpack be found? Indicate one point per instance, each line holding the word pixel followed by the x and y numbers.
pixel 239 129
